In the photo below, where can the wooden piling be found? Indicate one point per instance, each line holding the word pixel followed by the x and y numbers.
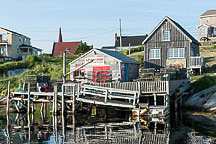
pixel 8 99
pixel 62 99
pixel 74 100
pixel 28 98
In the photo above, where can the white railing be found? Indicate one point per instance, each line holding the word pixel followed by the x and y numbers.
pixel 196 61
pixel 143 86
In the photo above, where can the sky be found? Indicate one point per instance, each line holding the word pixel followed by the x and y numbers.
pixel 96 21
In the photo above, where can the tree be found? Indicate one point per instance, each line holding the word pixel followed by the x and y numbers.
pixel 82 48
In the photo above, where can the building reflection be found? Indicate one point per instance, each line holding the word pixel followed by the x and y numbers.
pixel 91 129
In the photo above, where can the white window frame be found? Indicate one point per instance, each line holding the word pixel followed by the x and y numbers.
pixel 154 54
pixel 168 35
pixel 4 36
pixel 20 39
pixel 207 19
pixel 178 50
pixel 203 30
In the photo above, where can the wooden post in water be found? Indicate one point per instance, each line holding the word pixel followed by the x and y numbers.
pixel 8 99
pixel 28 98
pixel 74 99
pixel 63 99
pixel 155 99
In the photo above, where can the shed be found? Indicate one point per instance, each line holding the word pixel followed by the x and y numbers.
pixel 100 65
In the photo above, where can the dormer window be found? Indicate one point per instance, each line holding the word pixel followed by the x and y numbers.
pixel 20 39
pixel 166 35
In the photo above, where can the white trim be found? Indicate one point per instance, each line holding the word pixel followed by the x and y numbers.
pixel 154 54
pixel 173 57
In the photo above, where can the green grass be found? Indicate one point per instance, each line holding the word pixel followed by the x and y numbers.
pixel 50 66
pixel 204 81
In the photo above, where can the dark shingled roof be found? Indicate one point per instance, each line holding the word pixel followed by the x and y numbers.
pixel 59 47
pixel 13 32
pixel 108 47
pixel 119 56
pixel 209 12
pixel 133 40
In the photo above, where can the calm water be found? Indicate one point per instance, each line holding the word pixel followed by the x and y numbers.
pixel 85 128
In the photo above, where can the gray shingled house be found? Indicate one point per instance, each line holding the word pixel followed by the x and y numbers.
pixel 100 65
pixel 169 45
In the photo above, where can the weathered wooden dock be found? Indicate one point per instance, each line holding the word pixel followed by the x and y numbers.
pixel 153 95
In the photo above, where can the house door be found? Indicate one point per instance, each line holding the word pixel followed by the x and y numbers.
pixel 101 74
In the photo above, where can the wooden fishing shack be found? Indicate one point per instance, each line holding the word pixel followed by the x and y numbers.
pixel 102 66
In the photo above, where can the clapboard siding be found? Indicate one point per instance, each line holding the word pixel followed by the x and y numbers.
pixel 178 39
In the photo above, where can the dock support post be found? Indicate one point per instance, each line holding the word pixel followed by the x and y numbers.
pixel 62 99
pixel 155 100
pixel 55 100
pixel 106 95
pixel 8 99
pixel 74 100
pixel 28 98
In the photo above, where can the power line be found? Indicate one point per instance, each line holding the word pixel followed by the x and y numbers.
pixel 80 38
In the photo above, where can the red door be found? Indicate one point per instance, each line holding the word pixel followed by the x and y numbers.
pixel 101 74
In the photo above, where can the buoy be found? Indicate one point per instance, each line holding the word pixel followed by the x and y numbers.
pixel 143 111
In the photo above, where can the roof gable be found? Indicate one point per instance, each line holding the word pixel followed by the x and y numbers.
pixel 13 32
pixel 208 13
pixel 178 26
pixel 59 47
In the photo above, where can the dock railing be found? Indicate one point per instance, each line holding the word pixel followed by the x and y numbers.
pixel 197 61
pixel 144 86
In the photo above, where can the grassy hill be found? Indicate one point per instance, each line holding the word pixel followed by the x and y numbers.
pixel 50 66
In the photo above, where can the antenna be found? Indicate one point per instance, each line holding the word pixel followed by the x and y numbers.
pixel 120 35
pixel 150 19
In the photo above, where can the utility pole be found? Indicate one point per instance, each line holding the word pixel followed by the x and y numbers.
pixel 120 35
pixel 64 66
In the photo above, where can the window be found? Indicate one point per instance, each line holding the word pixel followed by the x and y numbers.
pixel 20 39
pixel 79 73
pixel 203 31
pixel 3 36
pixel 214 31
pixel 207 19
pixel 176 53
pixel 166 35
pixel 154 54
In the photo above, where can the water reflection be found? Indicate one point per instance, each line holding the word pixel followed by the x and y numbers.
pixel 84 128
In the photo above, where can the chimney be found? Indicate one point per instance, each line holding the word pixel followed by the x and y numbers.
pixel 60 36
pixel 115 36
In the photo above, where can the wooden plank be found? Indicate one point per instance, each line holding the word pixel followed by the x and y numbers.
pixel 103 103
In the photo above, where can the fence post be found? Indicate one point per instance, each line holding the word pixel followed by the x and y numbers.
pixel 74 100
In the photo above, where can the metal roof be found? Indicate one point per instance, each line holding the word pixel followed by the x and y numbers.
pixel 119 56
